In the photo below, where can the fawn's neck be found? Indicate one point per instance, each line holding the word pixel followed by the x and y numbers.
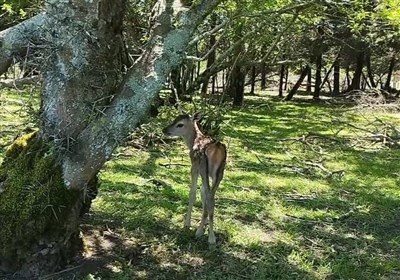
pixel 190 139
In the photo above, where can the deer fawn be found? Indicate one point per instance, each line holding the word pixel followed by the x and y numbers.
pixel 208 158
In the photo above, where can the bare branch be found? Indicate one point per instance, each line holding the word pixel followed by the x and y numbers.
pixel 204 57
pixel 20 82
pixel 208 33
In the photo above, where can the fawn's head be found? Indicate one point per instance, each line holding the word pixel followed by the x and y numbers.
pixel 183 125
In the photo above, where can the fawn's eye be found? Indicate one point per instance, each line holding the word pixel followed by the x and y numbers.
pixel 179 125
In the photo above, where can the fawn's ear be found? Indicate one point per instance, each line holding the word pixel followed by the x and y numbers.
pixel 197 116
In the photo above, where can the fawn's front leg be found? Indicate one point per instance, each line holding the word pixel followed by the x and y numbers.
pixel 192 194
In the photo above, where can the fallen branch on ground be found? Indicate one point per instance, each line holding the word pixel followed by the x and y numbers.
pixel 19 82
pixel 304 168
pixel 173 164
pixel 323 168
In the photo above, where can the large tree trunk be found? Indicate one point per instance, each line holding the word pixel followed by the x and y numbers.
pixel 77 76
pixel 39 217
pixel 88 108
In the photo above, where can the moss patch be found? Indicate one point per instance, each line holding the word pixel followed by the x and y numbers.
pixel 34 201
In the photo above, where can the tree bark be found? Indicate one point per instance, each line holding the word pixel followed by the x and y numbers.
pixel 176 81
pixel 327 75
pixel 309 80
pixel 348 76
pixel 356 82
pixel 286 77
pixel 214 83
pixel 369 70
pixel 335 68
pixel 253 79
pixel 237 77
pixel 390 72
pixel 263 75
pixel 237 85
pixel 336 77
pixel 211 56
pixel 293 91
pixel 88 108
pixel 281 78
pixel 317 86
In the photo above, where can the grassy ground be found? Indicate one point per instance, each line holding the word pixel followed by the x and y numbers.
pixel 292 205
pixel 16 114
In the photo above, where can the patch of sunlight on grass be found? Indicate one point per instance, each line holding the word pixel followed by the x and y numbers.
pixel 298 184
pixel 248 235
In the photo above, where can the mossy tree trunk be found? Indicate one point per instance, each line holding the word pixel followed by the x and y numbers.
pixel 39 216
pixel 88 107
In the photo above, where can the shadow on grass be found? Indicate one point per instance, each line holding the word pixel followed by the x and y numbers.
pixel 361 240
pixel 173 253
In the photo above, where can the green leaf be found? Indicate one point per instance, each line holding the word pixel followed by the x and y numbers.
pixel 7 7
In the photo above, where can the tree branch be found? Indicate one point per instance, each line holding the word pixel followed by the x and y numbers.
pixel 204 57
pixel 208 33
pixel 289 9
pixel 278 38
pixel 14 40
